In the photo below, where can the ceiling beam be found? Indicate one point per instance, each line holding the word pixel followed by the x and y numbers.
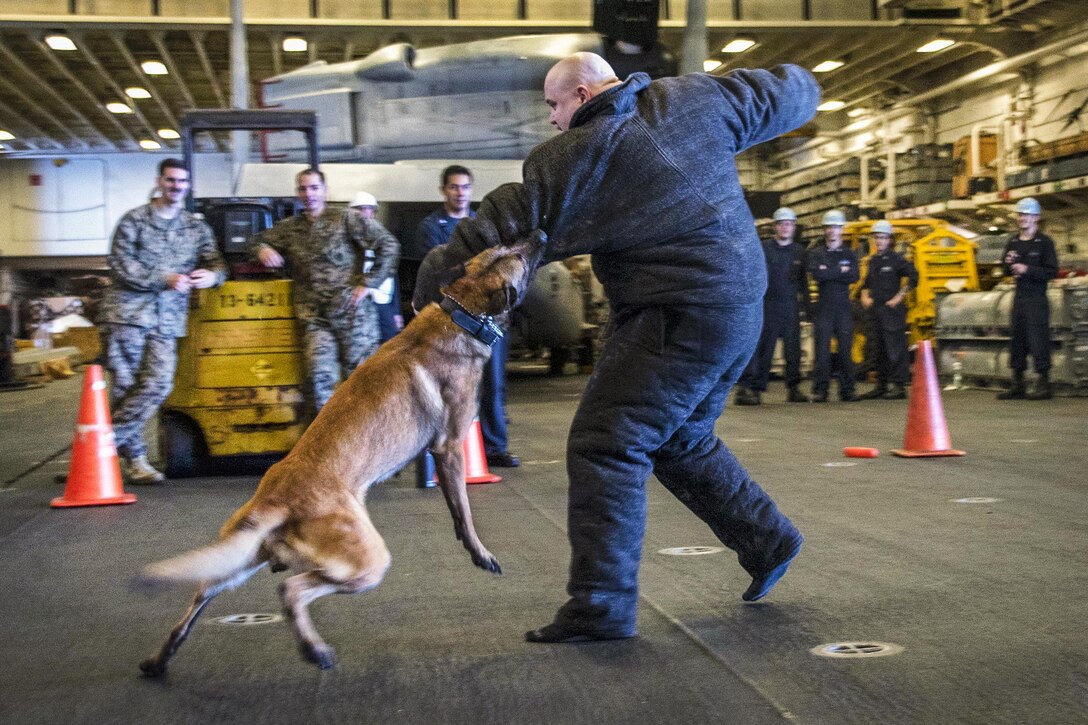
pixel 122 49
pixel 172 67
pixel 8 112
pixel 198 42
pixel 28 103
pixel 47 89
pixel 94 101
pixel 113 85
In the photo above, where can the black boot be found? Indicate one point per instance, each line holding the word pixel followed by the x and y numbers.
pixel 747 396
pixel 796 396
pixel 1042 389
pixel 848 396
pixel 876 393
pixel 1017 391
pixel 819 396
pixel 895 392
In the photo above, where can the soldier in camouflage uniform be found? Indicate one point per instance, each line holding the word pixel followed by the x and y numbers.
pixel 159 252
pixel 333 296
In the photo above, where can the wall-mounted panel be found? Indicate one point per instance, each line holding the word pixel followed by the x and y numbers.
pixel 487 10
pixel 42 7
pixel 113 7
pixel 277 8
pixel 351 9
pixel 419 9
pixel 196 8
pixel 772 10
pixel 559 10
pixel 841 10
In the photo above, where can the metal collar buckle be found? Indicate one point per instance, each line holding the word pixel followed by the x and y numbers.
pixel 482 327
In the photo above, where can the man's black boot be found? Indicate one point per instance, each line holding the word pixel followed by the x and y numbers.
pixel 1017 391
pixel 896 392
pixel 1041 389
pixel 747 396
pixel 819 396
pixel 878 392
pixel 796 396
pixel 848 396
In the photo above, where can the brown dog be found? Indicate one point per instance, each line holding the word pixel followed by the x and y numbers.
pixel 419 390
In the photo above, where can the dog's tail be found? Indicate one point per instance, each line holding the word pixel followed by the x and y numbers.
pixel 233 553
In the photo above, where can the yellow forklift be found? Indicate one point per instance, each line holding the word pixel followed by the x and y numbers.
pixel 238 389
pixel 944 256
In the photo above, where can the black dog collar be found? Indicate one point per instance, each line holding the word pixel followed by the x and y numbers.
pixel 482 327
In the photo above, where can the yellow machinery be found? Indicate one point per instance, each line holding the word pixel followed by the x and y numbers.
pixel 238 389
pixel 944 256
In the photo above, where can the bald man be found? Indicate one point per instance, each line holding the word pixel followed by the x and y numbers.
pixel 642 177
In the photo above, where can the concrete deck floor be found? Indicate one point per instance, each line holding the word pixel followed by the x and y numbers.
pixel 987 600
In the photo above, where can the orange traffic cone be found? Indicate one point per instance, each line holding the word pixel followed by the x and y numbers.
pixel 94 475
pixel 475 459
pixel 927 433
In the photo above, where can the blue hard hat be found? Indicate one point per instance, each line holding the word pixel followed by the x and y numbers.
pixel 882 227
pixel 1028 205
pixel 834 218
pixel 784 214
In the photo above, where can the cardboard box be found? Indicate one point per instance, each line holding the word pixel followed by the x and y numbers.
pixel 86 339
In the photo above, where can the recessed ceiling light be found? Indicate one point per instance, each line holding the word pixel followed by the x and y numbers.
pixel 294 45
pixel 830 106
pixel 136 92
pixel 154 68
pixel 738 45
pixel 709 65
pixel 118 107
pixel 60 42
pixel 6 136
pixel 934 45
pixel 855 112
pixel 149 145
pixel 827 66
pixel 168 133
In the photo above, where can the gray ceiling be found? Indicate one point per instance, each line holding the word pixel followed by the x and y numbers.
pixel 54 101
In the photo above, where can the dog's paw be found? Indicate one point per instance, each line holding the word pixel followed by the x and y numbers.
pixel 321 655
pixel 153 667
pixel 487 562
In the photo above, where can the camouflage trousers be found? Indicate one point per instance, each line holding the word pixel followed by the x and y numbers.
pixel 142 365
pixel 334 344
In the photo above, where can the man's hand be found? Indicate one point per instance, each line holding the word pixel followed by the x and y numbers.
pixel 270 257
pixel 359 294
pixel 1019 269
pixel 202 278
pixel 894 301
pixel 866 299
pixel 179 282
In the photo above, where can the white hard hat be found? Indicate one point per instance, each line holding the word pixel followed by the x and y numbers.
pixel 784 214
pixel 834 218
pixel 882 227
pixel 1028 205
pixel 364 198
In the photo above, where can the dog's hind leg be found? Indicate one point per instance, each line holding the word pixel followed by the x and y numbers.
pixel 155 665
pixel 449 458
pixel 297 592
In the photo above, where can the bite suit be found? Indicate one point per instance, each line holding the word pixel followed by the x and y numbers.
pixel 645 181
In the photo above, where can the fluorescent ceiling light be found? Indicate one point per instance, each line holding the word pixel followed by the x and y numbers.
pixel 858 125
pixel 149 145
pixel 118 107
pixel 855 112
pixel 709 65
pixel 60 42
pixel 154 68
pixel 934 45
pixel 830 106
pixel 168 133
pixel 827 66
pixel 738 45
pixel 294 45
pixel 6 136
pixel 136 92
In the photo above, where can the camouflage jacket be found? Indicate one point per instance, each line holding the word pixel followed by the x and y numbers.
pixel 327 257
pixel 146 249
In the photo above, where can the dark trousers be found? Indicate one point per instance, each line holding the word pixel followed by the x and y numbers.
pixel 1030 333
pixel 889 331
pixel 493 399
pixel 833 320
pixel 650 406
pixel 781 320
pixel 387 315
